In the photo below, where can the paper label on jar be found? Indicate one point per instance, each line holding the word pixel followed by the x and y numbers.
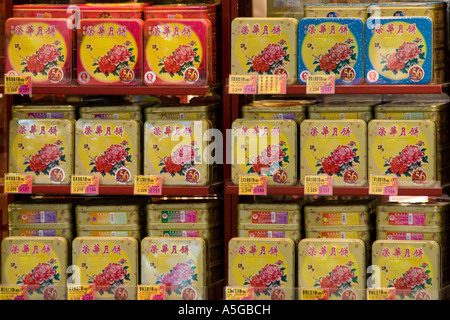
pixel 407 219
pixel 39 217
pixel 269 217
pixel 182 216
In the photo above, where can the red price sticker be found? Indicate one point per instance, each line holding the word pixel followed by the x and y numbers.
pixel 15 84
pixel 320 84
pixel 255 186
pixel 87 185
pixel 148 185
pixel 18 183
pixel 319 185
pixel 383 185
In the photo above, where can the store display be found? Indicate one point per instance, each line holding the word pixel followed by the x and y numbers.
pixel 331 46
pixel 110 52
pixel 264 46
pixel 267 265
pixel 110 263
pixel 109 148
pixel 38 263
pixel 39 48
pixel 338 265
pixel 336 148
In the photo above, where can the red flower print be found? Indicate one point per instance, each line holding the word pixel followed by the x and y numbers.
pixel 116 153
pixel 326 64
pixel 102 165
pixel 397 166
pixel 170 65
pixel 114 272
pixel 415 276
pixel 401 286
pixel 259 167
pixel 119 54
pixel 34 65
pixel 329 167
pixel 411 154
pixel 408 51
pixel 325 283
pixel 352 143
pixel 168 281
pixel 420 143
pixel 36 164
pixel 184 54
pixel 270 273
pixel 100 283
pixel 172 167
pixel 105 65
pixel 282 41
pixel 42 272
pixel 49 153
pixel 181 272
pixel 256 283
pixel 272 53
pixel 343 154
pixel 339 52
pixel 259 65
pixel 273 154
pixel 29 281
pixel 48 53
pixel 340 275
pixel 394 63
pixel 128 42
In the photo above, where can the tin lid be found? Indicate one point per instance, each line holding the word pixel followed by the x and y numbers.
pixel 269 227
pixel 357 228
pixel 32 7
pixel 46 108
pixel 274 108
pixel 130 108
pixel 125 7
pixel 341 205
pixel 183 108
pixel 340 108
pixel 182 226
pixel 412 106
pixel 128 227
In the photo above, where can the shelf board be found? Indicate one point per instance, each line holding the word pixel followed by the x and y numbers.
pixel 128 190
pixel 122 90
pixel 340 191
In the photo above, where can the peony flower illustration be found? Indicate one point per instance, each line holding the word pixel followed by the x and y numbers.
pixel 172 167
pixel 114 272
pixel 48 157
pixel 116 153
pixel 343 154
pixel 48 53
pixel 408 51
pixel 102 165
pixel 269 277
pixel 117 58
pixel 100 283
pixel 257 284
pixel 411 154
pixel 184 154
pixel 407 55
pixel 397 166
pixel 181 272
pixel 270 273
pixel 42 276
pixel 326 64
pixel 105 65
pixel 181 160
pixel 49 153
pixel 170 65
pixel 184 54
pixel 36 164
pixel 111 277
pixel 119 54
pixel 34 65
pixel 341 275
pixel 259 64
pixel 394 63
pixel 338 279
pixel 46 57
pixel 273 154
pixel 272 53
pixel 183 57
pixel 180 276
pixel 269 160
pixel 329 167
pixel 409 159
pixel 326 283
pixel 339 52
pixel 113 158
pixel 413 281
pixel 343 158
pixel 415 276
pixel 270 59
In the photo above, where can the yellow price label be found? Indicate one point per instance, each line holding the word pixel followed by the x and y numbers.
pixel 81 292
pixel 242 84
pixel 239 293
pixel 314 294
pixel 84 185
pixel 256 186
pixel 151 292
pixel 17 84
pixel 383 185
pixel 13 293
pixel 320 84
pixel 148 185
pixel 269 84
pixel 381 294
pixel 18 183
pixel 319 185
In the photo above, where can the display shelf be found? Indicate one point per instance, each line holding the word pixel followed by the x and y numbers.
pixel 119 90
pixel 376 89
pixel 231 189
pixel 128 190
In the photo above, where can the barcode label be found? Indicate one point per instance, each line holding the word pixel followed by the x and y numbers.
pixel 183 216
pixel 344 218
pixel 342 235
pixel 286 3
pixel 410 218
pixel 272 217
pixel 42 216
pixel 116 116
pixel 342 116
pixel 408 236
pixel 111 218
pixel 408 116
pixel 181 116
pixel 41 233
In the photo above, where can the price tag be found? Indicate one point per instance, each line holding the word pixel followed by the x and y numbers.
pixel 242 84
pixel 17 84
pixel 148 185
pixel 319 185
pixel 239 293
pixel 81 292
pixel 151 292
pixel 13 293
pixel 381 294
pixel 255 186
pixel 18 183
pixel 384 186
pixel 272 84
pixel 314 294
pixel 320 84
pixel 87 185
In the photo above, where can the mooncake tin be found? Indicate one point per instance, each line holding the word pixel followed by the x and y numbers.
pixel 399 50
pixel 405 149
pixel 336 148
pixel 286 111
pixel 252 260
pixel 108 148
pixel 340 213
pixel 184 112
pixel 177 52
pixel 322 262
pixel 110 263
pixel 268 233
pixel 264 46
pixel 265 148
pixel 40 48
pixel 408 233
pixel 412 268
pixel 90 231
pixel 109 52
pixel 111 112
pixel 39 212
pixel 108 214
pixel 111 10
pixel 42 148
pixel 37 230
pixel 413 111
pixel 177 263
pixel 351 10
pixel 175 150
pixel 184 211
pixel 331 46
pixel 269 214
pixel 40 263
pixel 44 112
pixel 213 235
pixel 340 112
pixel 42 11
